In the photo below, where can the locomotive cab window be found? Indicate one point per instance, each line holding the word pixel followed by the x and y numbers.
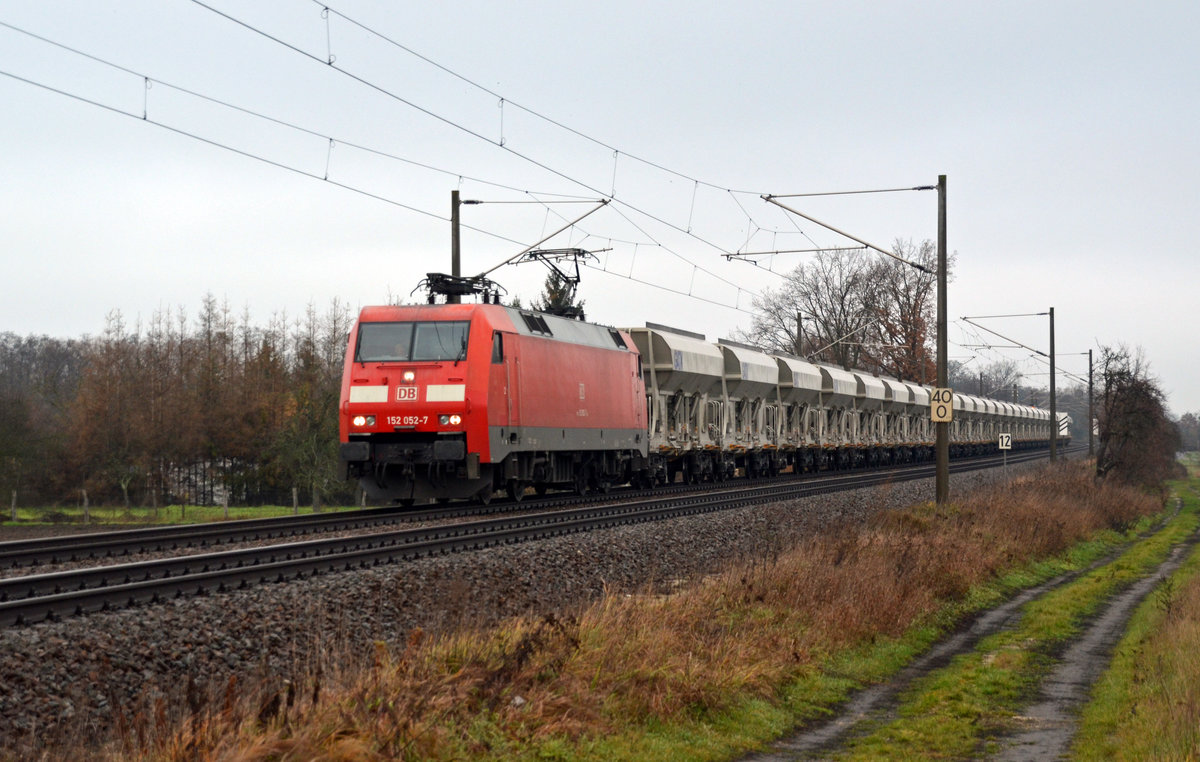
pixel 406 342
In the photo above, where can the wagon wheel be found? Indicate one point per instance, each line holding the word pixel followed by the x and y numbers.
pixel 485 495
pixel 582 486
pixel 540 488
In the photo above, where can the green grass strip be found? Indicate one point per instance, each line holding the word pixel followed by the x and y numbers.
pixel 132 518
pixel 957 711
pixel 1147 704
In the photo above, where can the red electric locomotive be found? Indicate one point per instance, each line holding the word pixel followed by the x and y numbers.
pixel 460 400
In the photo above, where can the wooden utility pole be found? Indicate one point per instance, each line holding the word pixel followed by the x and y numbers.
pixel 942 444
pixel 1091 410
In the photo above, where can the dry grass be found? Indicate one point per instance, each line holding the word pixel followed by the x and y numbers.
pixel 1170 673
pixel 627 662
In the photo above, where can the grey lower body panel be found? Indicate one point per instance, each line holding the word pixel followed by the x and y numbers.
pixel 511 439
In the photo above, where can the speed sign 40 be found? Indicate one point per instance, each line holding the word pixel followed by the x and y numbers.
pixel 941 405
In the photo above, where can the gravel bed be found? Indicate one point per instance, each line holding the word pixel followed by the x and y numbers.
pixel 77 680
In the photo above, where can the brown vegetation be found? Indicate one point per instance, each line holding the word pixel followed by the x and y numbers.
pixel 627 661
pixel 175 411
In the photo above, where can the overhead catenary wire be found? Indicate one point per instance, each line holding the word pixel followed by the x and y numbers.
pixel 770 198
pixel 546 197
pixel 1035 354
pixel 532 112
pixel 246 154
pixel 772 252
pixel 331 142
pixel 451 123
pixel 599 205
pixel 1006 338
pixel 617 153
pixel 324 178
pixel 668 289
pixel 658 244
pixel 560 198
pixel 149 80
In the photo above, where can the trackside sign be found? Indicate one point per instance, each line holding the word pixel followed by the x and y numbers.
pixel 941 406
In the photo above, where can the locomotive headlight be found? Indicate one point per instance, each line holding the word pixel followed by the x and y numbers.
pixel 361 421
pixel 455 420
pixel 409 376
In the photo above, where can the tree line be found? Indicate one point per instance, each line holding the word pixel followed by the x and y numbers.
pixel 176 410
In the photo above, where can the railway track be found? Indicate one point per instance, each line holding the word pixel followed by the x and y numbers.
pixel 98 546
pixel 115 545
pixel 32 598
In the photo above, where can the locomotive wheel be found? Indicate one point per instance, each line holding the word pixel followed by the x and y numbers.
pixel 485 496
pixel 407 502
pixel 516 490
pixel 604 486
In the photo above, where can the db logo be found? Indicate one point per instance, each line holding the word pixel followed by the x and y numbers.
pixel 406 394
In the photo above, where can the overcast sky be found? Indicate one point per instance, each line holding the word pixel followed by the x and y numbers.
pixel 1067 130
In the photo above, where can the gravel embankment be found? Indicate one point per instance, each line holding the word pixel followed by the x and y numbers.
pixel 78 678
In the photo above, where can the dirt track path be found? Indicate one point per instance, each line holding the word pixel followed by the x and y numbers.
pixel 1048 725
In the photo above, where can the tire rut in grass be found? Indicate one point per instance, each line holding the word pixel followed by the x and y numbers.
pixel 878 704
pixel 1050 724
pixel 877 701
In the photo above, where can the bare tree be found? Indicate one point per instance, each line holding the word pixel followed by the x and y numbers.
pixel 1189 431
pixel 835 293
pixel 905 302
pixel 858 310
pixel 1138 441
pixel 995 380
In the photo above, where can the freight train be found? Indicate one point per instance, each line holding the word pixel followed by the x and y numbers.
pixel 444 401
